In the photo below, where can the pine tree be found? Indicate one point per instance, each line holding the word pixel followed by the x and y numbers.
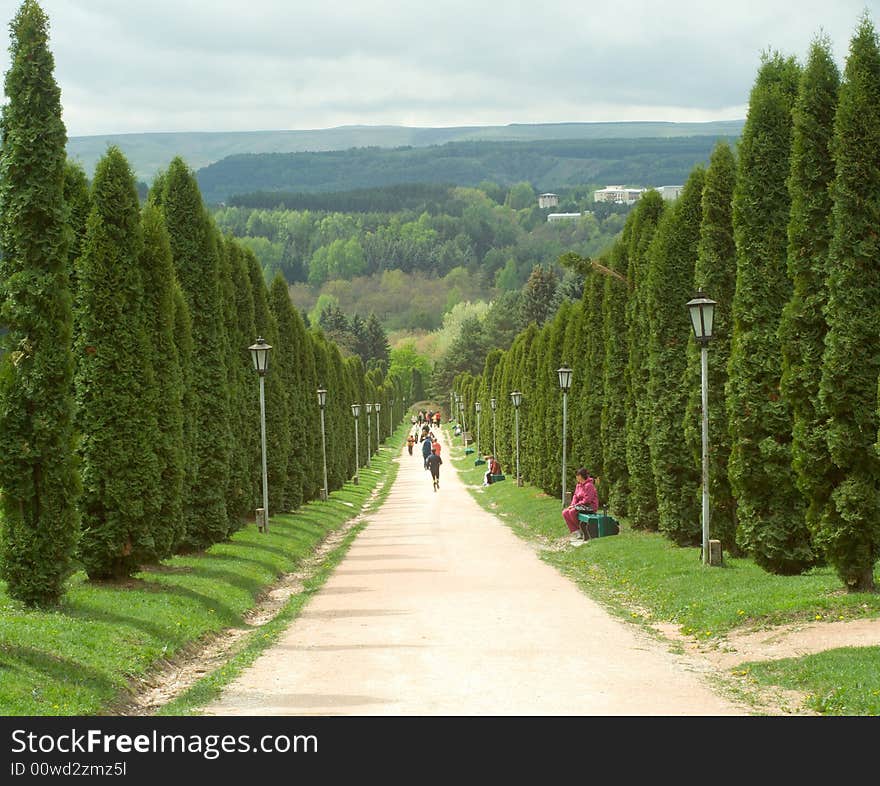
pixel 715 274
pixel 850 525
pixel 159 284
pixel 803 327
pixel 37 469
pixel 194 249
pixel 642 502
pixel 588 438
pixel 769 507
pixel 670 286
pixel 183 343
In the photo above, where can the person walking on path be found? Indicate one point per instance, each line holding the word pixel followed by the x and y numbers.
pixel 434 461
pixel 410 441
pixel 426 448
pixel 585 499
pixel 435 448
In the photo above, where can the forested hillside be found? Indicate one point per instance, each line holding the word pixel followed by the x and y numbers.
pixel 150 152
pixel 547 164
pixel 412 265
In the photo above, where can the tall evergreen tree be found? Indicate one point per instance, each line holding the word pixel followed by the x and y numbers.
pixel 183 343
pixel 769 507
pixel 116 388
pixel 803 326
pixel 237 303
pixel 715 274
pixel 246 415
pixel 277 397
pixel 850 525
pixel 285 367
pixel 37 465
pixel 194 249
pixel 159 284
pixel 613 426
pixel 643 494
pixel 670 286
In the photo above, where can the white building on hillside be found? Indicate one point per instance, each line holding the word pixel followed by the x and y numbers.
pixel 670 192
pixel 563 216
pixel 618 195
pixel 548 200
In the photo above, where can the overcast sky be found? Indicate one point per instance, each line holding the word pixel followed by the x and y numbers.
pixel 242 65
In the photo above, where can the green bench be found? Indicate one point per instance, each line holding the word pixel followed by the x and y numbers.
pixel 496 478
pixel 597 525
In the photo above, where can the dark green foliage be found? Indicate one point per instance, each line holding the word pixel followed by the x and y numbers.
pixel 589 360
pixel 802 328
pixel 715 274
pixel 613 425
pixel 670 286
pixel 544 164
pixel 642 504
pixel 284 366
pixel 539 300
pixel 238 317
pixel 194 249
pixel 769 506
pixel 849 529
pixel 76 198
pixel 116 390
pixel 277 398
pixel 37 465
pixel 159 285
pixel 183 342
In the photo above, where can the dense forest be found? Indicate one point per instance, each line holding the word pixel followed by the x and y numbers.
pixel 411 266
pixel 547 164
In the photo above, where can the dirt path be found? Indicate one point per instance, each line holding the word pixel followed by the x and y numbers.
pixel 439 609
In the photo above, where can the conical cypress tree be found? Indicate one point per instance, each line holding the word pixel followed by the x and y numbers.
pixel 159 284
pixel 802 328
pixel 642 502
pixel 285 360
pixel 116 389
pixel 37 465
pixel 850 526
pixel 715 274
pixel 244 333
pixel 769 506
pixel 196 260
pixel 183 343
pixel 670 286
pixel 276 395
pixel 591 445
pixel 77 200
pixel 614 331
pixel 239 372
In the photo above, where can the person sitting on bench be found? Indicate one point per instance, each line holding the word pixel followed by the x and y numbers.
pixel 584 500
pixel 494 469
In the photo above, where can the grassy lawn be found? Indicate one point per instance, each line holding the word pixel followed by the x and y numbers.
pixel 78 658
pixel 645 578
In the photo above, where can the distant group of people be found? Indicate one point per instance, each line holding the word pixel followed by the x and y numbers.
pixel 422 433
pixel 427 418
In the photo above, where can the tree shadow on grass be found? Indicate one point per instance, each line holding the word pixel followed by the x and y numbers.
pixel 56 668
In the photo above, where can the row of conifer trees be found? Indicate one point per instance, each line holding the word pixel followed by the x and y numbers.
pixel 129 407
pixel 784 235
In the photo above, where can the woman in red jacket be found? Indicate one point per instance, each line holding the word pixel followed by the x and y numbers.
pixel 585 495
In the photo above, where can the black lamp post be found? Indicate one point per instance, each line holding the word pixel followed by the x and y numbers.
pixel 702 313
pixel 356 411
pixel 564 385
pixel 478 407
pixel 516 398
pixel 377 408
pixel 322 402
pixel 260 355
pixel 369 432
